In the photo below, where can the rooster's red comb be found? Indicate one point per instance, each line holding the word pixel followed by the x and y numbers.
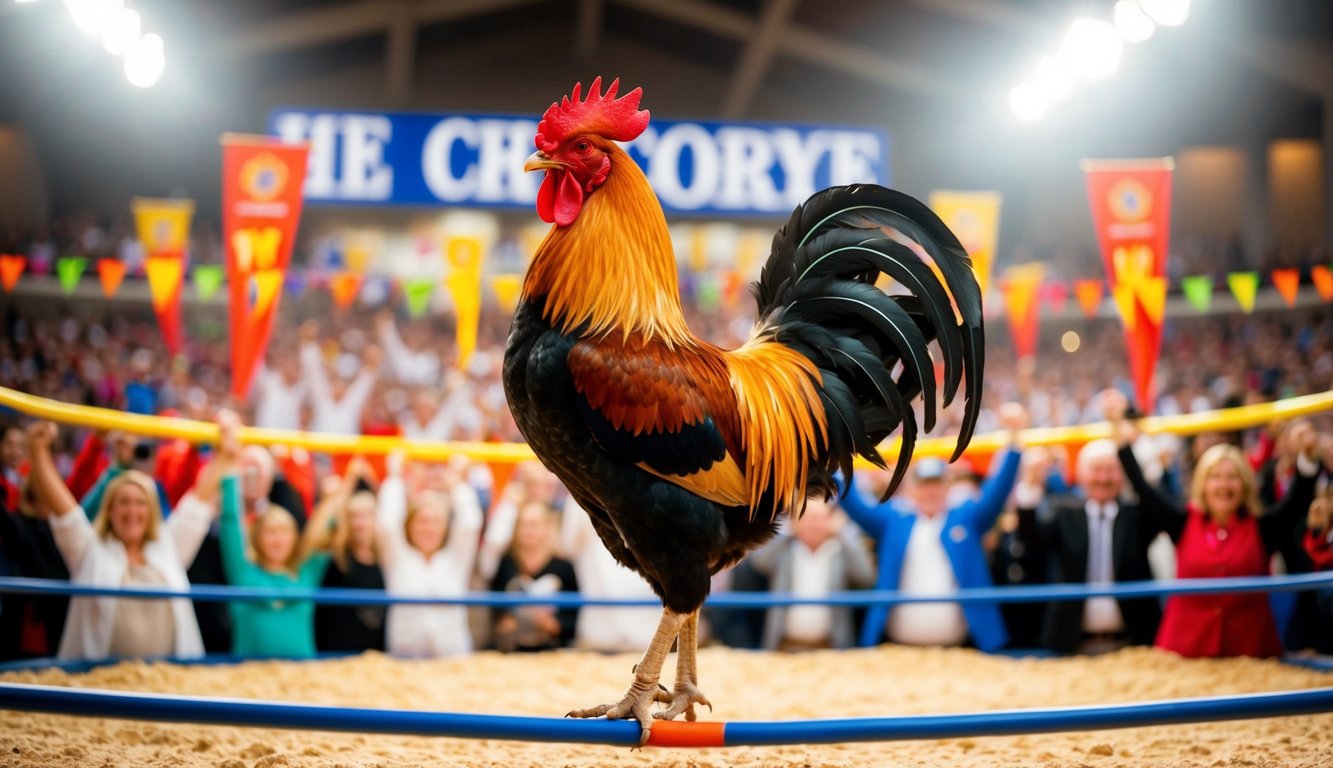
pixel 601 114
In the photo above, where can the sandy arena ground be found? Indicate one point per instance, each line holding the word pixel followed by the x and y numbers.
pixel 742 686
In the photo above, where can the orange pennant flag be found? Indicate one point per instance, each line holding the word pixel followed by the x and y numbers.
pixel 1323 281
pixel 164 279
pixel 344 288
pixel 1020 287
pixel 1089 293
pixel 1288 284
pixel 11 266
pixel 112 272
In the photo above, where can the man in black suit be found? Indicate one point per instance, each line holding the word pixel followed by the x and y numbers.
pixel 1093 539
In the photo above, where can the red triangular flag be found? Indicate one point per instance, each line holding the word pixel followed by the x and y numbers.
pixel 11 266
pixel 1323 281
pixel 1089 294
pixel 112 271
pixel 1288 284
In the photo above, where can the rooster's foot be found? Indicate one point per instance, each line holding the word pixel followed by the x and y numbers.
pixel 637 704
pixel 682 700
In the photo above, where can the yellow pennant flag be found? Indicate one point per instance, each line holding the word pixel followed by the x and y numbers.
pixel 1151 292
pixel 1123 295
pixel 164 280
pixel 163 225
pixel 507 289
pixel 1244 286
pixel 974 218
pixel 464 254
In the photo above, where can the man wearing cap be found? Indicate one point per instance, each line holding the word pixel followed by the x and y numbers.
pixel 927 547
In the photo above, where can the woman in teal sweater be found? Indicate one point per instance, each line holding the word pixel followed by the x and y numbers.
pixel 284 628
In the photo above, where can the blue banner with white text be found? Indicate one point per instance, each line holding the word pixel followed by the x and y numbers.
pixel 422 159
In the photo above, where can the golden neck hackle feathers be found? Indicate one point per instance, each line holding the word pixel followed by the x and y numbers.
pixel 613 268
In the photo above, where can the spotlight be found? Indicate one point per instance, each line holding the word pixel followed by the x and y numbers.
pixel 92 16
pixel 1029 101
pixel 1070 341
pixel 1167 13
pixel 1132 23
pixel 145 61
pixel 121 32
pixel 1092 48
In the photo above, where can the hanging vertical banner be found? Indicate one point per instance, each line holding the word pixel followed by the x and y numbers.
pixel 1288 284
pixel 163 226
pixel 69 269
pixel 11 266
pixel 1089 294
pixel 112 272
pixel 1021 286
pixel 1131 211
pixel 975 218
pixel 507 289
pixel 1245 287
pixel 1198 291
pixel 463 255
pixel 1323 281
pixel 261 206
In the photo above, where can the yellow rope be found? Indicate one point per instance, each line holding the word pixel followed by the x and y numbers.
pixel 1225 420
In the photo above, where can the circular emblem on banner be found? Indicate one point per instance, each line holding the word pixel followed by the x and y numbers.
pixel 1129 200
pixel 263 177
pixel 162 231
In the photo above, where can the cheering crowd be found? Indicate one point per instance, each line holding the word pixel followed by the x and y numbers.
pixel 109 509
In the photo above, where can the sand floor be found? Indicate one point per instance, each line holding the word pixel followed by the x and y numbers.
pixel 742 686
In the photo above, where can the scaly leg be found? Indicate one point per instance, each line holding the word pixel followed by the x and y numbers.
pixel 643 691
pixel 686 692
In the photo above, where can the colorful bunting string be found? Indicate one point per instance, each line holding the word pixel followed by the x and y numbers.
pixel 1244 286
pixel 70 269
pixel 11 266
pixel 112 272
pixel 1323 282
pixel 1288 284
pixel 1089 294
pixel 207 280
pixel 1198 291
pixel 418 292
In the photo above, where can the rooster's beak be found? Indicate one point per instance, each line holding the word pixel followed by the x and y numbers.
pixel 540 161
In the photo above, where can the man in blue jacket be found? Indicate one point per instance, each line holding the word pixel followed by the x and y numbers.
pixel 925 548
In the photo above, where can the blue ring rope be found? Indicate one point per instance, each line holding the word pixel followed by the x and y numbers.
pixel 239 712
pixel 1015 594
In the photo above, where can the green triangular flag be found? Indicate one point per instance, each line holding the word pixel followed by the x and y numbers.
pixel 1244 285
pixel 70 269
pixel 1198 291
pixel 207 280
pixel 418 292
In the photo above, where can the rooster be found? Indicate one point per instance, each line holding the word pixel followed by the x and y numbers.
pixel 682 453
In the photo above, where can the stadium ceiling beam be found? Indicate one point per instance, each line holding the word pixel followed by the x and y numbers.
pixel 801 43
pixel 757 57
pixel 991 12
pixel 588 24
pixel 355 19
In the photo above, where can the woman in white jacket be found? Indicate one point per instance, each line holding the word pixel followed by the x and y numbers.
pixel 127 544
pixel 428 546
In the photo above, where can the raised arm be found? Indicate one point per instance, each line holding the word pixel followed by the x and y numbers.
pixel 872 518
pixel 464 524
pixel 235 564
pixel 86 468
pixel 312 367
pixel 400 357
pixel 363 386
pixel 981 513
pixel 69 525
pixel 193 515
pixel 1279 524
pixel 1165 513
pixel 391 510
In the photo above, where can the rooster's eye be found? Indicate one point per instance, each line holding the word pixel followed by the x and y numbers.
pixel 582 147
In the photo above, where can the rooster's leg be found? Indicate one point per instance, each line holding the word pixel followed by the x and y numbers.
pixel 643 692
pixel 686 692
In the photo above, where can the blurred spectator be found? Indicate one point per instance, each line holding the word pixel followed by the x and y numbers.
pixel 604 628
pixel 532 568
pixel 13 454
pixel 428 547
pixel 1092 539
pixel 1220 531
pixel 1318 543
pixel 813 559
pixel 126 544
pixel 270 557
pixel 929 550
pixel 344 524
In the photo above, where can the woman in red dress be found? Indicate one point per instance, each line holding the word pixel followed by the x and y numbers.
pixel 1220 531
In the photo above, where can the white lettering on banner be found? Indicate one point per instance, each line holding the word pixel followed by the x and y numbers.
pixel 364 174
pixel 798 160
pixel 468 159
pixel 436 164
pixel 665 171
pixel 322 133
pixel 852 158
pixel 747 157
